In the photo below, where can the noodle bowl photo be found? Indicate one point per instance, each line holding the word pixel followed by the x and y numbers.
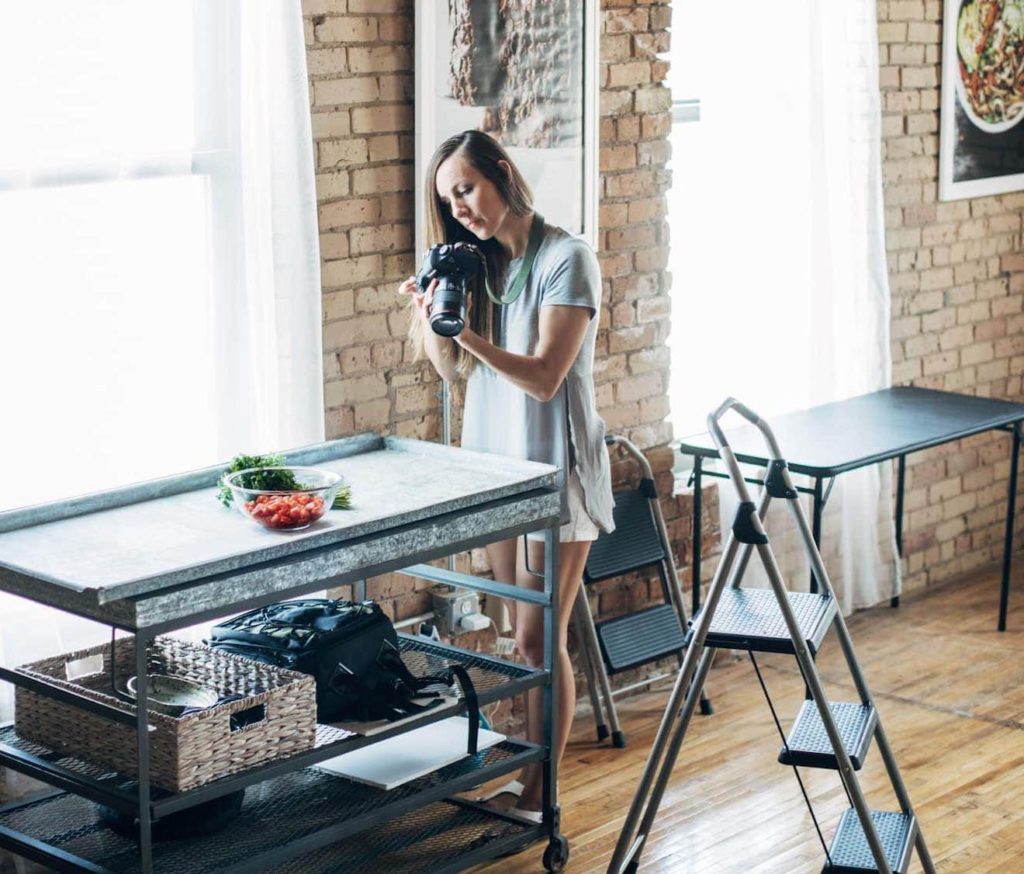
pixel 990 51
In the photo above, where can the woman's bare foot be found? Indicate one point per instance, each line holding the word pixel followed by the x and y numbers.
pixel 505 796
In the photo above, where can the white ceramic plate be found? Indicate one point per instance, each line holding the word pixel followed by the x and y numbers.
pixel 174 693
pixel 961 92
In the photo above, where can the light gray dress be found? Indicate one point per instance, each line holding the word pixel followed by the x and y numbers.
pixel 565 431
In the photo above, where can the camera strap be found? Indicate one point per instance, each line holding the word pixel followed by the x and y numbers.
pixel 519 283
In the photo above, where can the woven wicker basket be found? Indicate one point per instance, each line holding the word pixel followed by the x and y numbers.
pixel 185 751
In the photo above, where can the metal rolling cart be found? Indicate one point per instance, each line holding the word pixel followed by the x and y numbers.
pixel 831 735
pixel 160 556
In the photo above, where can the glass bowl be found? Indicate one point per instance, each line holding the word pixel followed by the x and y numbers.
pixel 283 509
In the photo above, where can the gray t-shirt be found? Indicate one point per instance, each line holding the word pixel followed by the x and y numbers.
pixel 565 431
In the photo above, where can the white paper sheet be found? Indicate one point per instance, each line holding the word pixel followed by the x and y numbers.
pixel 405 757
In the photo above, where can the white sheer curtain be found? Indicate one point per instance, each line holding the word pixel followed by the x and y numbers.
pixel 782 296
pixel 159 284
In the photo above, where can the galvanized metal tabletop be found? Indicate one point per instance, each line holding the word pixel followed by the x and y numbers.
pixel 164 551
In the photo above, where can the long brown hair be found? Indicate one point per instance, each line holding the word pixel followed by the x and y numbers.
pixel 483 153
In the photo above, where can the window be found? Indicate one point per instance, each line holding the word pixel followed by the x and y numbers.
pixel 780 290
pixel 159 264
pixel 738 214
pixel 114 168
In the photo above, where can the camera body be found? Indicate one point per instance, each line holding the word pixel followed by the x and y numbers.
pixel 453 265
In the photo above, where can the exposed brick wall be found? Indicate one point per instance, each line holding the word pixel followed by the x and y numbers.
pixel 632 363
pixel 359 55
pixel 956 271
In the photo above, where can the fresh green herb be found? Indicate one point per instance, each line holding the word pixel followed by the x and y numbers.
pixel 343 498
pixel 272 480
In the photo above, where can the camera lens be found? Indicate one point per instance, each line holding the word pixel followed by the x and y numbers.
pixel 448 308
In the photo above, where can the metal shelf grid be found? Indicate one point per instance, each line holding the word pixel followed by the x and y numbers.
pixel 101 778
pixel 434 839
pixel 277 813
pixel 493 678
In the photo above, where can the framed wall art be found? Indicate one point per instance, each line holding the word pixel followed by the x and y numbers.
pixel 525 72
pixel 981 147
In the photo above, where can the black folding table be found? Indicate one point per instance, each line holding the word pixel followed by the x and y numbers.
pixel 824 441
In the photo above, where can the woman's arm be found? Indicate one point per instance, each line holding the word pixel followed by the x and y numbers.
pixel 561 329
pixel 440 350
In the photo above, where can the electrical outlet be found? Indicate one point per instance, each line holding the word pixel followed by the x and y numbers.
pixel 450 605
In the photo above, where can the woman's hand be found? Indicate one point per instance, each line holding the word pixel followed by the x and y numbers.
pixel 440 350
pixel 422 299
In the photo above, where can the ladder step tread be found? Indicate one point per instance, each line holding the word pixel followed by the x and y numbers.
pixel 635 542
pixel 851 854
pixel 808 744
pixel 752 619
pixel 641 637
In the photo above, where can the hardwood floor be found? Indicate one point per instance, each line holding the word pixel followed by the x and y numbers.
pixel 950 692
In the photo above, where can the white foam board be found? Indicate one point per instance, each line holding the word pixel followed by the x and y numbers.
pixel 399 759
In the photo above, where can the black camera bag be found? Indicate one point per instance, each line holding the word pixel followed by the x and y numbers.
pixel 351 649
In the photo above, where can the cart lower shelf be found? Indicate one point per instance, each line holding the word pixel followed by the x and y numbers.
pixel 444 837
pixel 305 821
pixel 493 678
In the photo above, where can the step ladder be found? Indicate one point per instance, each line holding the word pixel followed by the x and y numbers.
pixel 825 734
pixel 640 541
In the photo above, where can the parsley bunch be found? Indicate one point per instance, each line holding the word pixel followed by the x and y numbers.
pixel 272 480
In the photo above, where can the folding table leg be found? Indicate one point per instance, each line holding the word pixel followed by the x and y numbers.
pixel 901 478
pixel 819 506
pixel 697 464
pixel 1011 509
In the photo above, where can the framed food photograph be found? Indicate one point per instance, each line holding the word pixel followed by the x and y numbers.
pixel 524 72
pixel 981 146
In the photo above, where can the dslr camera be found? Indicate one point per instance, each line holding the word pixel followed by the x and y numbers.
pixel 453 265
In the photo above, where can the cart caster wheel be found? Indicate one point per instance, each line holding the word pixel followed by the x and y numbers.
pixel 602 732
pixel 705 707
pixel 618 739
pixel 557 854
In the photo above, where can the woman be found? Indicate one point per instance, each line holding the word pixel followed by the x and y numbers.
pixel 528 356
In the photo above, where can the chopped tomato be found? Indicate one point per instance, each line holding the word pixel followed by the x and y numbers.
pixel 286 511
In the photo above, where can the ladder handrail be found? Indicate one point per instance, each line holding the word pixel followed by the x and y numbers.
pixel 725 450
pixel 633 450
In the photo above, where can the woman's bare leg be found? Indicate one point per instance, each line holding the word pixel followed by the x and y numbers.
pixel 501 556
pixel 529 628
